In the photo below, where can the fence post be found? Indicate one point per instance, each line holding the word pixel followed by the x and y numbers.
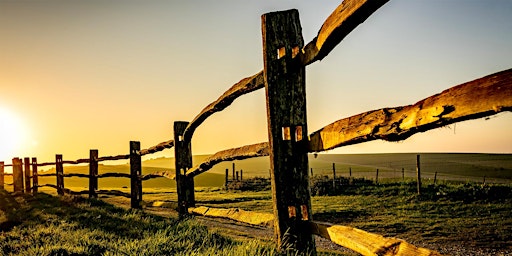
pixel 59 169
pixel 287 127
pixel 93 173
pixel 377 176
pixel 227 177
pixel 17 175
pixel 2 164
pixel 233 168
pixel 135 172
pixel 403 174
pixel 26 162
pixel 334 177
pixel 183 162
pixel 418 171
pixel 35 178
pixel 435 178
pixel 236 175
pixel 241 174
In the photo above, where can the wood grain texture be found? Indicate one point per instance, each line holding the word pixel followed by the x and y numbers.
pixel 157 148
pixel 253 218
pixel 244 86
pixel 249 151
pixel 366 243
pixel 347 16
pixel 479 98
pixel 164 174
pixel 343 20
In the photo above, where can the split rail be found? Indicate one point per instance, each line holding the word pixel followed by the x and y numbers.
pixel 285 56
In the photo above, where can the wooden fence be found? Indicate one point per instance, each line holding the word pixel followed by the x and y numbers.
pixel 285 56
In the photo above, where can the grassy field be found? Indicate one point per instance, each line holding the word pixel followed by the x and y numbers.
pixel 447 215
pixel 497 168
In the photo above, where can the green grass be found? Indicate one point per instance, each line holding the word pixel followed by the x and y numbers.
pixel 47 225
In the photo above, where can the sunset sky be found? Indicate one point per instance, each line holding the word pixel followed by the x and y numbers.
pixel 80 75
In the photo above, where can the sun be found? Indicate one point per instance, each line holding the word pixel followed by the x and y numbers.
pixel 12 135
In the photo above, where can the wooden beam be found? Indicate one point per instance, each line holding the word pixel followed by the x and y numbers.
pixel 347 16
pixel 343 20
pixel 17 175
pixel 93 173
pixel 367 244
pixel 59 171
pixel 249 151
pixel 35 178
pixel 249 217
pixel 157 148
pixel 285 87
pixel 479 98
pixel 183 162
pixel 135 173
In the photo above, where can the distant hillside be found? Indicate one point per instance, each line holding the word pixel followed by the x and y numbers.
pixel 448 165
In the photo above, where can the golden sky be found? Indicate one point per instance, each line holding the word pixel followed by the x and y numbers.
pixel 80 75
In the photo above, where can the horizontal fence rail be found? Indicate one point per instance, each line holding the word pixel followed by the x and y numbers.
pixel 475 99
pixel 343 20
pixel 479 98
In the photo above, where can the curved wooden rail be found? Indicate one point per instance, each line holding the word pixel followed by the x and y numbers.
pixel 347 16
pixel 479 98
pixel 244 86
pixel 249 151
pixel 162 174
pixel 157 148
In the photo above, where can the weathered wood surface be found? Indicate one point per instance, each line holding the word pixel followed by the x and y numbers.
pixel 161 146
pixel 343 20
pixel 244 86
pixel 347 16
pixel 482 97
pixel 164 174
pixel 253 218
pixel 78 175
pixel 93 173
pixel 79 161
pixel 114 175
pixel 1 175
pixel 285 88
pixel 112 158
pixel 367 243
pixel 17 177
pixel 249 151
pixel 182 163
pixel 27 174
pixel 135 173
pixel 35 178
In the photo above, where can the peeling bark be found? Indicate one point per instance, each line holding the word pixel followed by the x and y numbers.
pixel 482 97
pixel 249 151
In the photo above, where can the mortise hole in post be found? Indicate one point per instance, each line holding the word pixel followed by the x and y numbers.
pixel 295 51
pixel 304 210
pixel 292 212
pixel 281 52
pixel 298 133
pixel 180 138
pixel 286 133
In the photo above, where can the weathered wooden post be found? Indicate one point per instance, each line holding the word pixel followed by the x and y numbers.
pixel 183 162
pixel 287 128
pixel 135 173
pixel 59 169
pixel 236 175
pixel 2 164
pixel 311 172
pixel 241 174
pixel 227 179
pixel 403 174
pixel 377 176
pixel 17 175
pixel 334 177
pixel 26 163
pixel 418 172
pixel 233 168
pixel 350 172
pixel 35 178
pixel 93 173
pixel 435 178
